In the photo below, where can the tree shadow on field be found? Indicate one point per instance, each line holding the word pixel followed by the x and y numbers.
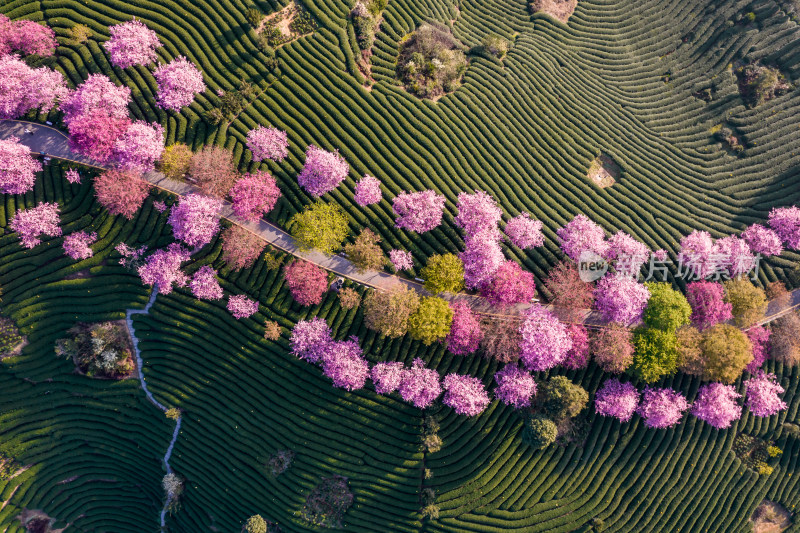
pixel 783 190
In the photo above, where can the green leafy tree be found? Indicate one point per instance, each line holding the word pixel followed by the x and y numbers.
pixel 726 353
pixel 388 312
pixel 539 431
pixel 655 353
pixel 749 302
pixel 667 308
pixel 432 320
pixel 365 253
pixel 443 273
pixel 561 399
pixel 175 161
pixel 320 226
pixel 255 524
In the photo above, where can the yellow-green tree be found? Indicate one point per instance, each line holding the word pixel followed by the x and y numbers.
pixel 320 226
pixel 432 320
pixel 443 273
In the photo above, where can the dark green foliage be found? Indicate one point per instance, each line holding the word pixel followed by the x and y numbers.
pixel 539 431
pixel 254 16
pixel 327 503
pixel 102 350
pixel 560 399
pixel 431 61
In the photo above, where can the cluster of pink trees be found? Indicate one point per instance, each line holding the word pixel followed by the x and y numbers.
pixel 309 339
pixel 178 81
pixel 515 386
pixel 26 37
pixel 18 168
pixel 240 306
pixel 759 339
pixel 716 404
pixel 195 220
pixel 661 408
pixel 205 285
pixel 762 395
pixel 479 215
pixel 254 195
pixel 401 260
pixel 30 224
pixel 510 285
pixel 23 88
pixel 139 146
pixel 268 143
pixel 465 332
pixel 707 300
pixel 580 235
pixel 545 340
pixel 628 254
pixel 387 376
pixel 465 394
pixel 121 192
pixel 621 298
pixel 77 245
pixel 785 221
pixel 578 354
pixel 132 43
pixel 525 232
pixel 419 385
pixel 368 191
pixel 72 176
pixel 323 171
pixel 418 211
pixel 162 268
pixel 306 281
pixel 761 240
pixel 344 364
pixel 616 399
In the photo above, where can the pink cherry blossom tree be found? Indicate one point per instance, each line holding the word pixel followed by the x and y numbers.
pixel 762 240
pixel 30 224
pixel 510 285
pixel 616 399
pixel 621 299
pixel 205 285
pixel 122 193
pixel 707 300
pixel 163 268
pixel 310 338
pixel 254 195
pixel 660 255
pixel 306 281
pixel 465 394
pixel 578 355
pixel 763 393
pixel 661 408
pixel 76 245
pixel 401 260
pixel 268 143
pixel 139 147
pixel 131 43
pixel 545 340
pixel 420 385
pixel 759 338
pixel 580 235
pixel 343 363
pixel 626 253
pixel 716 404
pixel 130 255
pixel 96 136
pixel 786 223
pixel 323 171
pixel 98 95
pixel 734 255
pixel 418 211
pixel 73 176
pixel 240 306
pixel 23 88
pixel 26 37
pixel 482 257
pixel 178 81
pixel 524 232
pixel 368 191
pixel 697 254
pixel 465 332
pixel 387 376
pixel 195 220
pixel 18 168
pixel 477 212
pixel 515 386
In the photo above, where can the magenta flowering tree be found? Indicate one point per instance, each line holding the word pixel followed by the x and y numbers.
pixel 387 376
pixel 368 191
pixel 95 136
pixel 524 232
pixel 578 355
pixel 240 306
pixel 759 339
pixel 401 260
pixel 178 82
pixel 482 257
pixel 762 240
pixel 420 385
pixel 73 176
pixel 582 235
pixel 130 255
pixel 18 168
pixel 139 147
pixel 205 285
pixel 254 195
pixel 195 220
pixel 477 212
pixel 734 256
pixel 268 143
pixel 163 268
pixel 310 338
pixel 98 95
pixel 763 393
pixel 131 43
pixel 716 404
pixel 660 255
pixel 418 211
pixel 697 251
pixel 465 394
pixel 343 363
pixel 515 386
pixel 26 37
pixel 621 299
pixel 23 88
pixel 627 254
pixel 661 408
pixel 465 332
pixel 545 340
pixel 510 285
pixel 786 223
pixel 30 224
pixel 707 300
pixel 616 399
pixel 323 171
pixel 159 206
pixel 77 245
pixel 306 281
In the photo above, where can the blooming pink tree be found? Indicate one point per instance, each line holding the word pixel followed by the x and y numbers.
pixel 418 211
pixel 343 363
pixel 786 223
pixel 707 300
pixel 73 176
pixel 76 245
pixel 716 404
pixel 195 220
pixel 762 394
pixel 26 37
pixel 510 285
pixel 401 260
pixel 660 255
pixel 465 332
pixel 129 254
pixel 310 338
pixel 477 212
pixel 759 338
pixel 23 88
pixel 139 147
pixel 697 254
pixel 18 168
pixel 98 95
pixel 577 356
pixel 482 257
pixel 159 206
pixel 616 399
pixel 131 43
pixel 465 394
pixel 524 232
pixel 627 254
pixel 368 191
pixel 661 408
pixel 178 82
pixel 621 299
pixel 240 306
pixel 387 376
pixel 323 171
pixel 515 386
pixel 545 340
pixel 34 222
pixel 762 240
pixel 734 256
pixel 268 143
pixel 581 235
pixel 254 195
pixel 420 385
pixel 163 268
pixel 204 284
pixel 122 193
pixel 96 136
pixel 306 281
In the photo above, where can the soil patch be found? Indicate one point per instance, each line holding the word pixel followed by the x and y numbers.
pixel 604 171
pixel 771 517
pixel 558 9
pixel 36 521
pixel 280 25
